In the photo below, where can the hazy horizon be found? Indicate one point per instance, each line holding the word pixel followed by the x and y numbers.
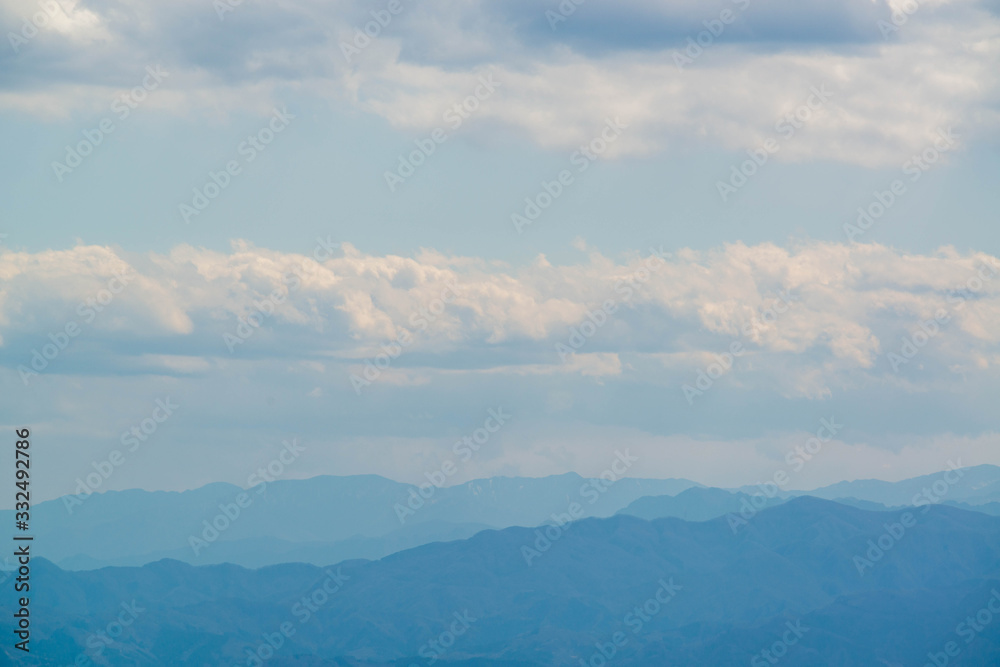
pixel 741 244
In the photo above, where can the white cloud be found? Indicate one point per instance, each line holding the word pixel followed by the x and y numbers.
pixel 889 96
pixel 812 317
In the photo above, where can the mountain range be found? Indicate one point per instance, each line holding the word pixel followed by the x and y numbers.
pixel 321 520
pixel 811 581
pixel 325 520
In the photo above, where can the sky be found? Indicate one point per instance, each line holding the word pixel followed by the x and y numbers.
pixel 703 231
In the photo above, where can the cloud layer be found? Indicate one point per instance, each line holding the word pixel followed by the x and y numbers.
pixel 895 77
pixel 810 319
pixel 383 362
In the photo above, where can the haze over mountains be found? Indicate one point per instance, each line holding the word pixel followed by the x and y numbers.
pixel 977 485
pixel 697 504
pixel 322 520
pixel 326 520
pixel 816 582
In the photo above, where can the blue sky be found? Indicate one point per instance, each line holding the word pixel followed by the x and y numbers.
pixel 654 183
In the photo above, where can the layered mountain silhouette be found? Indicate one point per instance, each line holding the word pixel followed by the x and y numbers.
pixel 321 520
pixel 698 504
pixel 325 520
pixel 978 485
pixel 818 582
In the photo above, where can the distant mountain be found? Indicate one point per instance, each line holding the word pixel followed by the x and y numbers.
pixel 697 504
pixel 865 505
pixel 788 582
pixel 991 508
pixel 705 503
pixel 321 520
pixel 261 551
pixel 977 485
pixel 327 519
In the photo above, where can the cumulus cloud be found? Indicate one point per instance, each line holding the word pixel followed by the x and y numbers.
pixel 588 357
pixel 811 318
pixel 891 88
